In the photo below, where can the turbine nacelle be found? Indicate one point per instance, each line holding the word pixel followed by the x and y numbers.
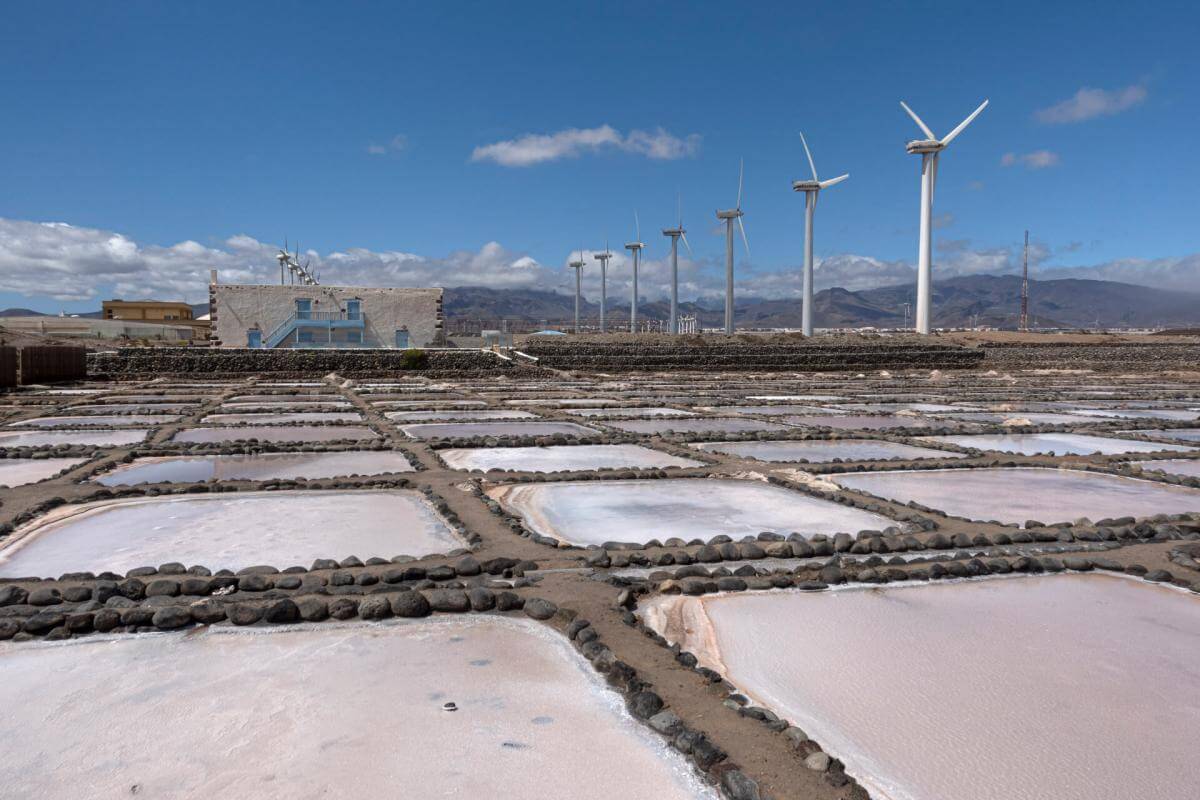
pixel 923 146
pixel 732 213
pixel 634 245
pixel 673 231
pixel 806 186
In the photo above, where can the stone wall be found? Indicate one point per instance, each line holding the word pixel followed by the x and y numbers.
pixel 159 361
pixel 1115 356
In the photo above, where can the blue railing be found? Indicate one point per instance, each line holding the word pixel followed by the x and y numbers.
pixel 313 319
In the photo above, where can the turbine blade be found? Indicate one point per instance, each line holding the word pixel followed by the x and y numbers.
pixel 832 181
pixel 917 120
pixel 741 173
pixel 637 224
pixel 679 210
pixel 809 154
pixel 683 236
pixel 950 136
pixel 745 241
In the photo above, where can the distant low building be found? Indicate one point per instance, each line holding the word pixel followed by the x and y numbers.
pixel 315 316
pixel 156 312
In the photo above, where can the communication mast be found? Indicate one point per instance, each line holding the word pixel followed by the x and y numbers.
pixel 1025 287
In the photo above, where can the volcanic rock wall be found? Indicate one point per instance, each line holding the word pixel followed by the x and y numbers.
pixel 1116 356
pixel 192 361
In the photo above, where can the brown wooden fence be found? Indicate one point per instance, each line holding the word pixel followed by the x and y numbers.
pixel 8 367
pixel 49 364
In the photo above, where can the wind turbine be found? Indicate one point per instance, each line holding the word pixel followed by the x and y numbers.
pixel 676 234
pixel 603 259
pixel 635 247
pixel 729 216
pixel 810 189
pixel 929 149
pixel 284 258
pixel 578 267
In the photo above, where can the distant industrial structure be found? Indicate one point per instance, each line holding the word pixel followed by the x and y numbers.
pixel 156 312
pixel 310 315
pixel 1025 286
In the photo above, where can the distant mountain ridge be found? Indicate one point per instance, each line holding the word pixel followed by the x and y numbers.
pixel 991 300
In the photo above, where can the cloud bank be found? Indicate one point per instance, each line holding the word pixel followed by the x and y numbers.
pixel 540 148
pixel 1090 103
pixel 70 263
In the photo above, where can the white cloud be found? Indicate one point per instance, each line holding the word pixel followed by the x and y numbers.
pixel 1038 159
pixel 396 144
pixel 535 148
pixel 1090 103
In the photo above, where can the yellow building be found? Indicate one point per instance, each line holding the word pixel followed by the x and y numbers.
pixel 156 311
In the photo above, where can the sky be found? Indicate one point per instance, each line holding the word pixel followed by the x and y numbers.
pixel 453 143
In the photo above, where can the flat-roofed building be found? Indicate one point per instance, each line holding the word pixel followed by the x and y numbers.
pixel 159 312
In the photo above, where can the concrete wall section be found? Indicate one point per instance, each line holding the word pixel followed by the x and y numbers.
pixel 238 308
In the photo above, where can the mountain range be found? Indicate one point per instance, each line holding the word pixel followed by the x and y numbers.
pixel 989 300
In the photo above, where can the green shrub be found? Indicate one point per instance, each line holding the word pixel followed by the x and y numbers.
pixel 414 359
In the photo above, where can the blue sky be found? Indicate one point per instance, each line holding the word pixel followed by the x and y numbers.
pixel 205 133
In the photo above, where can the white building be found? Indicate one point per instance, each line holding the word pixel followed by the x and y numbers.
pixel 324 316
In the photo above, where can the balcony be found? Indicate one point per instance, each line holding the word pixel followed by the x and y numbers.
pixel 312 321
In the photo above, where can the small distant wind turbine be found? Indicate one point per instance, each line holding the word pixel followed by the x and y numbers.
pixel 929 149
pixel 729 216
pixel 284 258
pixel 603 259
pixel 810 189
pixel 676 234
pixel 578 267
pixel 636 248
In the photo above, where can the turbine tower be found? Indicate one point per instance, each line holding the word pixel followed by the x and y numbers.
pixel 1024 326
pixel 578 267
pixel 603 259
pixel 929 149
pixel 810 189
pixel 676 234
pixel 635 247
pixel 729 216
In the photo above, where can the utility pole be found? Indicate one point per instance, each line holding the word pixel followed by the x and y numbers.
pixel 1024 326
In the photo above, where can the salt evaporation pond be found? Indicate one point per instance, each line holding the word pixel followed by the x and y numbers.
pixel 144 408
pixel 802 398
pixel 290 404
pixel 20 471
pixel 562 457
pixel 283 418
pixel 116 420
pixel 1021 417
pixel 1178 434
pixel 230 531
pixel 695 425
pixel 1174 466
pixel 256 467
pixel 330 710
pixel 1156 413
pixel 1056 444
pixel 781 410
pixel 861 422
pixel 58 438
pixel 594 512
pixel 450 430
pixel 1015 494
pixel 461 416
pixel 631 412
pixel 1076 687
pixel 818 451
pixel 277 433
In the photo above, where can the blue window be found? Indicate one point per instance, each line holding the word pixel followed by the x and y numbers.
pixel 305 336
pixel 402 339
pixel 254 338
pixel 354 309
pixel 303 309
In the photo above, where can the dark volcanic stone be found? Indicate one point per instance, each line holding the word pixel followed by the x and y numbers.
pixel 45 596
pixel 12 595
pixel 106 619
pixel 375 607
pixel 482 599
pixel 244 613
pixel 137 615
pixel 538 608
pixel 343 608
pixel 207 612
pixel 44 621
pixel 313 609
pixel 77 594
pixel 172 617
pixel 281 612
pixel 645 705
pixel 509 601
pixel 452 600
pixel 410 604
pixel 163 587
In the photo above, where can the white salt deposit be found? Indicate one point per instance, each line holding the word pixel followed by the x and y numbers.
pixel 468 415
pixel 1178 434
pixel 1013 495
pixel 1072 687
pixel 113 421
pixel 695 425
pixel 562 457
pixel 450 430
pixel 594 512
pixel 277 433
pixel 335 710
pixel 96 438
pixel 862 422
pixel 1058 444
pixel 227 531
pixel 1175 466
pixel 631 412
pixel 818 450
pixel 20 471
pixel 257 467
pixel 276 419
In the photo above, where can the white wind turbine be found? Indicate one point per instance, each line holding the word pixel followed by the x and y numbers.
pixel 676 234
pixel 636 248
pixel 729 216
pixel 929 149
pixel 603 259
pixel 810 189
pixel 578 267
